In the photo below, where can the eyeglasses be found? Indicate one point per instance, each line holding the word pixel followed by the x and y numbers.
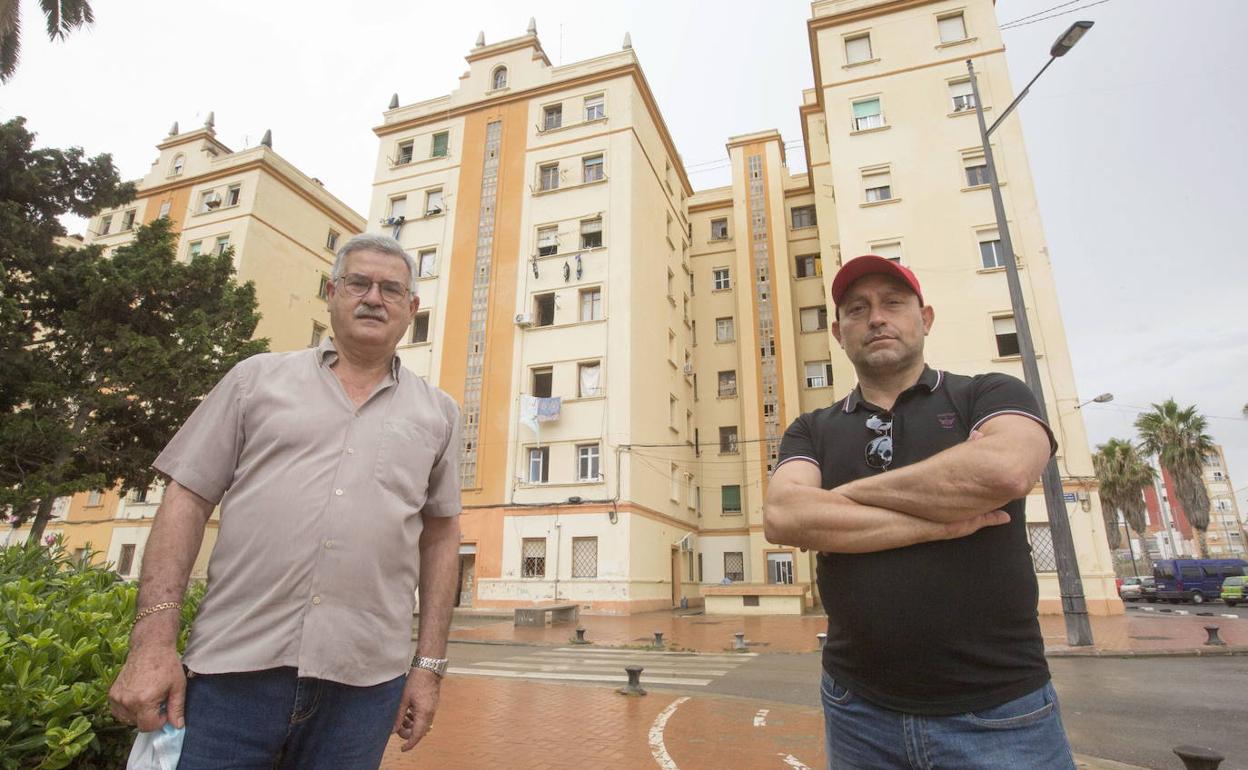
pixel 357 285
pixel 880 448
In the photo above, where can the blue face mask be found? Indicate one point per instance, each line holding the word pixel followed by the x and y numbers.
pixel 157 750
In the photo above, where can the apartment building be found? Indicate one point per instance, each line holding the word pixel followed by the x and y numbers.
pixel 1169 532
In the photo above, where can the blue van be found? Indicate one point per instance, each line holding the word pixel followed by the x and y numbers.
pixel 1194 580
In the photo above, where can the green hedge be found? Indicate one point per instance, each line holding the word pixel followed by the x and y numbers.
pixel 64 633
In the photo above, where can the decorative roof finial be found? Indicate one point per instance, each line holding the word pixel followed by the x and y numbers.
pixel 628 41
pixel 394 102
pixel 211 121
pixel 173 130
pixel 481 39
pixel 532 30
pixel 267 141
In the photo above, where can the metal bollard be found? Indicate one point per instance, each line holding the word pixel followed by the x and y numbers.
pixel 823 639
pixel 580 637
pixel 738 642
pixel 1199 757
pixel 1214 639
pixel 658 638
pixel 633 688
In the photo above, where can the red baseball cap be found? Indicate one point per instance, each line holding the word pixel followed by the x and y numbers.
pixel 866 265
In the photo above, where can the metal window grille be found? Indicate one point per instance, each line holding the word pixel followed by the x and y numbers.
pixel 1041 539
pixel 734 566
pixel 126 560
pixel 584 557
pixel 533 557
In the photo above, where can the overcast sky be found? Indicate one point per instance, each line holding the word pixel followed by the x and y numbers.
pixel 1136 139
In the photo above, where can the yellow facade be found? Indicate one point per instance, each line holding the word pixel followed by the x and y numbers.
pixel 681 427
pixel 1225 537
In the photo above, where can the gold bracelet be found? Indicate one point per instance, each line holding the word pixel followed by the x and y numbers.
pixel 156 608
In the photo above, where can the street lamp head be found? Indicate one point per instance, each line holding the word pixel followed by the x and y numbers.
pixel 1104 397
pixel 1069 38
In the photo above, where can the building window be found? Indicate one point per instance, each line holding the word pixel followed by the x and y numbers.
pixel 420 327
pixel 878 185
pixel 719 229
pixel 591 304
pixel 106 224
pixel 952 28
pixel 406 151
pixel 858 49
pixel 544 309
pixel 814 318
pixel 547 241
pixel 398 208
pixel 808 266
pixel 721 279
pixel 1007 335
pixel 976 170
pixel 962 95
pixel 723 330
pixel 548 176
pixel 322 291
pixel 671 411
pixel 675 482
pixel 890 251
pixel 867 114
pixel 127 220
pixel 587 456
pixel 94 498
pixel 126 561
pixel 1041 539
pixel 439 144
pixel 543 379
pixel 318 331
pixel 595 108
pixel 584 557
pixel 499 79
pixel 195 249
pixel 232 194
pixel 803 216
pixel 730 498
pixel 818 374
pixel 331 240
pixel 433 202
pixel 734 565
pixel 533 557
pixel 990 253
pixel 728 384
pixel 539 465
pixel 591 233
pixel 591 168
pixel 178 163
pixel 426 262
pixel 589 379
pixel 552 117
pixel 780 568
pixel 223 243
pixel 728 439
pixel 164 208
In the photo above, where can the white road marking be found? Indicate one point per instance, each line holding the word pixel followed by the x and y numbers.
pixel 657 749
pixel 760 719
pixel 793 762
pixel 576 677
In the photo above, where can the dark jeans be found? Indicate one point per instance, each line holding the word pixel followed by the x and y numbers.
pixel 275 719
pixel 1024 734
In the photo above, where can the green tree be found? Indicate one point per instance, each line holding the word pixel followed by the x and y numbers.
pixel 104 357
pixel 62 17
pixel 1123 473
pixel 1177 437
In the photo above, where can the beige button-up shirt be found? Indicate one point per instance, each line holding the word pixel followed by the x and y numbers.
pixel 322 505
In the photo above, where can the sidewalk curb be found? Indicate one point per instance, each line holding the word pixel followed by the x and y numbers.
pixel 1197 652
pixel 1086 762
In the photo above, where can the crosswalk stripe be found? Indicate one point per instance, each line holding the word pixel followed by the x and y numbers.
pixel 629 660
pixel 556 667
pixel 602 665
pixel 623 651
pixel 577 677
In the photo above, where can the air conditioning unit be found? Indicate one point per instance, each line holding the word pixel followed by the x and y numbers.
pixel 688 369
pixel 389 221
pixel 212 201
pixel 524 319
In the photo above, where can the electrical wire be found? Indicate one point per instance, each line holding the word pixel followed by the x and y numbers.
pixel 1054 16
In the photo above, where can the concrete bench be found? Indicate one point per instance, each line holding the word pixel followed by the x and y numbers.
pixel 540 615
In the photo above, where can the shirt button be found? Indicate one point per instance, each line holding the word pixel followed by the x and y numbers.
pixel 329 545
pixel 338 492
pixel 350 451
pixel 316 600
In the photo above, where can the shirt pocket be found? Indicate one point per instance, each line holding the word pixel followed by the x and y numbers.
pixel 405 457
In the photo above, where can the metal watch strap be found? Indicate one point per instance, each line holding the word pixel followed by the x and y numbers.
pixel 436 665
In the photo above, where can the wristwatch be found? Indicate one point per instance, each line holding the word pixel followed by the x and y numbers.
pixel 436 665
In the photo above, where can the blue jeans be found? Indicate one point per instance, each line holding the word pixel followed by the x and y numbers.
pixel 276 719
pixel 1023 734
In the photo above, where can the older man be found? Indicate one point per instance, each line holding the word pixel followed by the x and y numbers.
pixel 336 472
pixel 912 488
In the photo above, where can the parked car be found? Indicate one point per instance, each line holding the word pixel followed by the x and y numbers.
pixel 1195 580
pixel 1233 590
pixel 1135 588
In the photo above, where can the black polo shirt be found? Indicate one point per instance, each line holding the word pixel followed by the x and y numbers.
pixel 935 628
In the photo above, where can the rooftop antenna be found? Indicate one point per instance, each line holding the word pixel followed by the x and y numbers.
pixel 267 141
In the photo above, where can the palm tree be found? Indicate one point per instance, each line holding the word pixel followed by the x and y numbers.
pixel 63 17
pixel 1177 437
pixel 1123 474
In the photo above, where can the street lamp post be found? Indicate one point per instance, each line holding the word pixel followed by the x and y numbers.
pixel 1074 605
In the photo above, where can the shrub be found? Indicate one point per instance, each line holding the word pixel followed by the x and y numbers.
pixel 64 634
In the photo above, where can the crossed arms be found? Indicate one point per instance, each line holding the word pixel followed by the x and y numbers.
pixel 949 495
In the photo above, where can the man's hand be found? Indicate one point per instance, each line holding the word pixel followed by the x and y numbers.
pixel 152 676
pixel 955 529
pixel 420 701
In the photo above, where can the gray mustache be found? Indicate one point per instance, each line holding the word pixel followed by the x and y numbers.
pixel 364 311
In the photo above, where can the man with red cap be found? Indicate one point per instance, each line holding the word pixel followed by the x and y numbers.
pixel 912 489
